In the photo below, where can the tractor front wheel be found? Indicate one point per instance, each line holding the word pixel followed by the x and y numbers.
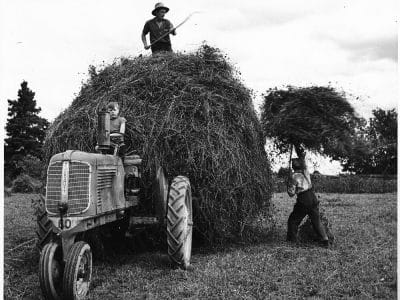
pixel 78 272
pixel 51 271
pixel 180 222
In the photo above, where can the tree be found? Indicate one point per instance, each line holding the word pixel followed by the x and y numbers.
pixel 25 130
pixel 283 172
pixel 380 136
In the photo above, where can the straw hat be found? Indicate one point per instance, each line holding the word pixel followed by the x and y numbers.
pixel 158 6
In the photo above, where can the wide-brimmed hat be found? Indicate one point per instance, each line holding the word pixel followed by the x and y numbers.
pixel 158 6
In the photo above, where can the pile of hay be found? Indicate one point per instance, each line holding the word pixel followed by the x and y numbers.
pixel 191 114
pixel 320 118
pixel 307 233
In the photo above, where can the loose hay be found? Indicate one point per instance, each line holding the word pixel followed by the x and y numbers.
pixel 320 118
pixel 307 233
pixel 191 114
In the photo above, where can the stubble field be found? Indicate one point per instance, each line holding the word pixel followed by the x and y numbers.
pixel 360 265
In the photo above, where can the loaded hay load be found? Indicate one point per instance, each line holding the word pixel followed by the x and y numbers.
pixel 318 117
pixel 191 114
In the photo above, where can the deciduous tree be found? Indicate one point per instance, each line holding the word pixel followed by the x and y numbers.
pixel 380 135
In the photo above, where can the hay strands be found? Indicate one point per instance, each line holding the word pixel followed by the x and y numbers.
pixel 190 113
pixel 21 245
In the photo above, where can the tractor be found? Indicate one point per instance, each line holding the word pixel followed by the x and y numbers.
pixel 89 193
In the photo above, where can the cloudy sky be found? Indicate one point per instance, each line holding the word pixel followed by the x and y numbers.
pixel 351 44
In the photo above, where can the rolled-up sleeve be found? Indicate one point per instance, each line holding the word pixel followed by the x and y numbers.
pixel 170 27
pixel 146 28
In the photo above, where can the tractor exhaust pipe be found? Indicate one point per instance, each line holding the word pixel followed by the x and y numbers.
pixel 103 131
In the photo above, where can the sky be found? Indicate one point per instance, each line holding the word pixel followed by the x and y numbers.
pixel 351 44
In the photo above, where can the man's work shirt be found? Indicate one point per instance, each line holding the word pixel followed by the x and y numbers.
pixel 299 182
pixel 158 28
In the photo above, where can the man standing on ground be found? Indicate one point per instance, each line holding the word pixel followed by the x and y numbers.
pixel 307 203
pixel 159 29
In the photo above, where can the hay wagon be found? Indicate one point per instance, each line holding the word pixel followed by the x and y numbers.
pixel 88 193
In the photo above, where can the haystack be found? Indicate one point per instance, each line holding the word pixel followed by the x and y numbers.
pixel 191 114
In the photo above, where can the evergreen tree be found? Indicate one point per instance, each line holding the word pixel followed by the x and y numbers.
pixel 25 130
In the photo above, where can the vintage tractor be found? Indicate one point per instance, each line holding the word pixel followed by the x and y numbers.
pixel 89 193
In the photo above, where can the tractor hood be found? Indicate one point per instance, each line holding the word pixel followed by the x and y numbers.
pixel 91 158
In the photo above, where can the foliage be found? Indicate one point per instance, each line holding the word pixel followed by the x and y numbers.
pixel 7 180
pixel 283 172
pixel 380 134
pixel 346 184
pixel 191 114
pixel 25 130
pixel 32 166
pixel 26 184
pixel 318 117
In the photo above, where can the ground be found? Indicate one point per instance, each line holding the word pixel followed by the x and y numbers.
pixel 360 265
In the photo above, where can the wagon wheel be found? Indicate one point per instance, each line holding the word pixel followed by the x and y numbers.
pixel 78 272
pixel 51 271
pixel 180 222
pixel 160 195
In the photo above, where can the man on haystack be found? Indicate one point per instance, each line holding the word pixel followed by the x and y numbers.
pixel 159 29
pixel 307 203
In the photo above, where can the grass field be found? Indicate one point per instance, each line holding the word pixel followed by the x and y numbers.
pixel 361 264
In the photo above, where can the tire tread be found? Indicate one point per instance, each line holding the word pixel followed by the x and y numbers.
pixel 44 230
pixel 43 269
pixel 179 190
pixel 69 271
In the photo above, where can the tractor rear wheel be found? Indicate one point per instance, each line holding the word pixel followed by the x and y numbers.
pixel 51 271
pixel 44 230
pixel 180 222
pixel 78 272
pixel 160 195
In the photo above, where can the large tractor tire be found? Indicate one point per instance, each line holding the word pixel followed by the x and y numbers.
pixel 77 272
pixel 51 271
pixel 44 230
pixel 160 196
pixel 180 222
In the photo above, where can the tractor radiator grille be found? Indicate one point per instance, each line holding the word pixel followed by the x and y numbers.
pixel 78 187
